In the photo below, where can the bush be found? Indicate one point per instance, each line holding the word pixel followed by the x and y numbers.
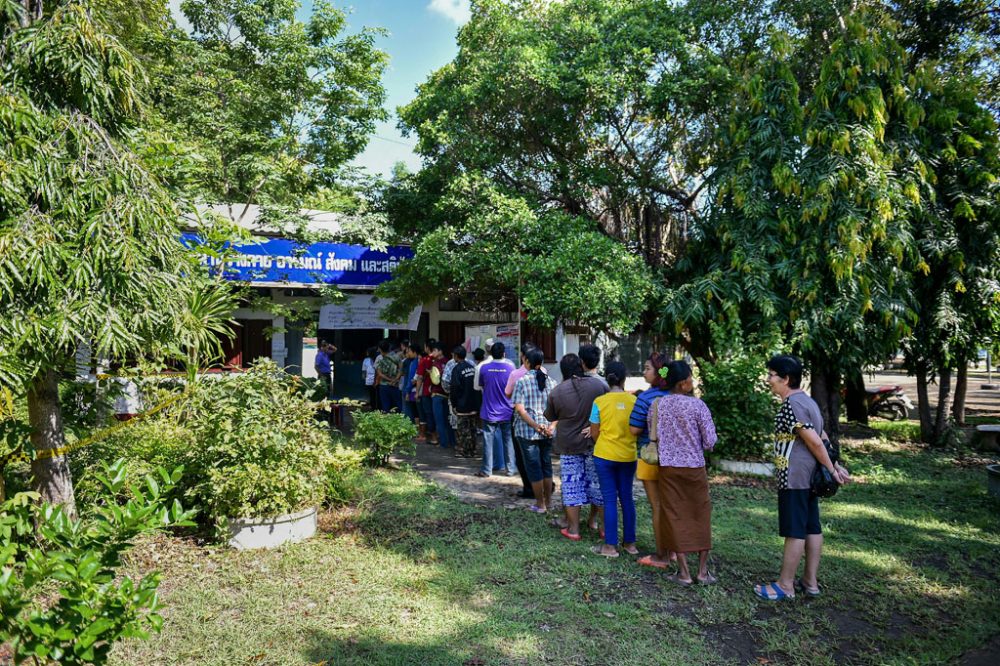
pixel 742 405
pixel 343 474
pixel 143 445
pixel 73 565
pixel 382 434
pixel 259 452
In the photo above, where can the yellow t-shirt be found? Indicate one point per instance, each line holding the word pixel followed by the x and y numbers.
pixel 615 442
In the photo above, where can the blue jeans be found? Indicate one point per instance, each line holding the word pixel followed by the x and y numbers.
pixel 499 433
pixel 446 436
pixel 410 409
pixel 427 408
pixel 390 398
pixel 616 486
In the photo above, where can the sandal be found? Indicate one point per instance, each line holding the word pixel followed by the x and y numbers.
pixel 771 592
pixel 709 579
pixel 482 475
pixel 597 550
pixel 558 523
pixel 572 537
pixel 534 509
pixel 676 578
pixel 801 587
pixel 647 561
pixel 633 552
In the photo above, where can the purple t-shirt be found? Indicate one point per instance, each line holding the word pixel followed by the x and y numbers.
pixel 493 378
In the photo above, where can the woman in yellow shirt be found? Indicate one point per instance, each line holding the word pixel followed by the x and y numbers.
pixel 614 458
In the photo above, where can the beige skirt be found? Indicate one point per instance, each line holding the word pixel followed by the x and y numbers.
pixel 686 510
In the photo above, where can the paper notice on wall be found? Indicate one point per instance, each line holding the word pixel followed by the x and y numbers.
pixel 363 311
pixel 482 336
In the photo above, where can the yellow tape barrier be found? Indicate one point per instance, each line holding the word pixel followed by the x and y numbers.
pixel 97 436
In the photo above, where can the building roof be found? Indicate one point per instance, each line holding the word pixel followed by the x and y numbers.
pixel 246 216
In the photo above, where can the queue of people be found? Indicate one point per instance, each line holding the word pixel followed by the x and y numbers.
pixel 605 438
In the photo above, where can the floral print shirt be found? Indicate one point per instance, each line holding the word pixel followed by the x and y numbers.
pixel 685 429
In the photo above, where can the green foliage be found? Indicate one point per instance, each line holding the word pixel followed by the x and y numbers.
pixel 268 108
pixel 343 473
pixel 141 446
pixel 742 406
pixel 87 239
pixel 381 435
pixel 260 450
pixel 561 266
pixel 75 566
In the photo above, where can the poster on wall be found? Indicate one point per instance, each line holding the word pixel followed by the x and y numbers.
pixel 363 311
pixel 478 336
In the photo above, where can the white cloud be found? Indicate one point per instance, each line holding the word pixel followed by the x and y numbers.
pixel 456 10
pixel 175 10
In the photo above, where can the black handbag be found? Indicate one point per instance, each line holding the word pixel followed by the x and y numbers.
pixel 823 484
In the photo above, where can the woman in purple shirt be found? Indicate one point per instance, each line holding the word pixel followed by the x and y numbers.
pixel 686 431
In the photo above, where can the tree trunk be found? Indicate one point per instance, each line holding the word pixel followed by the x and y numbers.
pixel 943 406
pixel 961 388
pixel 924 405
pixel 857 399
pixel 52 476
pixel 825 390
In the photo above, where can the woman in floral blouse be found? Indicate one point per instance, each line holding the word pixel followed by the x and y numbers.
pixel 686 430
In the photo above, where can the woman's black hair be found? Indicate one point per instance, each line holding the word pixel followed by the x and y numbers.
pixel 571 366
pixel 677 371
pixel 787 367
pixel 535 360
pixel 615 373
pixel 371 353
pixel 659 360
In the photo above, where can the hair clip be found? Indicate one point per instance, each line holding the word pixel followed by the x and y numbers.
pixel 663 372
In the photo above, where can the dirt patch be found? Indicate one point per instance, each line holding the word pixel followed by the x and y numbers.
pixel 988 655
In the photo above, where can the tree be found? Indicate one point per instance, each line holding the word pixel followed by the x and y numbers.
pixel 804 233
pixel 269 108
pixel 498 249
pixel 598 108
pixel 88 240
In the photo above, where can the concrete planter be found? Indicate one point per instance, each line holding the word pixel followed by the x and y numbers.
pixel 744 467
pixel 247 533
pixel 993 480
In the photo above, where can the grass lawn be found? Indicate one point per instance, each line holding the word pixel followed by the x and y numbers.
pixel 412 576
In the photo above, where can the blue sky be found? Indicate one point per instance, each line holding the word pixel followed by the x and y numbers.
pixel 421 39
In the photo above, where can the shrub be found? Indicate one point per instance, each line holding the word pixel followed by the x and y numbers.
pixel 343 473
pixel 382 434
pixel 143 445
pixel 259 452
pixel 74 565
pixel 743 407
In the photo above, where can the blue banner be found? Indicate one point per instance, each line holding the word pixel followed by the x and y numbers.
pixel 279 260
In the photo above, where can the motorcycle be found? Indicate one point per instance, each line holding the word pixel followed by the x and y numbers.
pixel 888 402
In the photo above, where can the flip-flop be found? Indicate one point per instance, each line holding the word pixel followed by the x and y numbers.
pixel 707 580
pixel 675 578
pixel 572 537
pixel 534 509
pixel 775 589
pixel 801 587
pixel 597 550
pixel 558 524
pixel 647 561
pixel 633 553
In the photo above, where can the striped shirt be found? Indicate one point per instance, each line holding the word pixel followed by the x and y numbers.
pixel 640 412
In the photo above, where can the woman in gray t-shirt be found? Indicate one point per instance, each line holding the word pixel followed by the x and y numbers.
pixel 798 447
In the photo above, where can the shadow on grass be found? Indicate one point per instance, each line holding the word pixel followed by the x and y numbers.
pixel 906 581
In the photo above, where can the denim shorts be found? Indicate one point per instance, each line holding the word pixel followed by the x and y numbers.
pixel 579 481
pixel 537 458
pixel 798 514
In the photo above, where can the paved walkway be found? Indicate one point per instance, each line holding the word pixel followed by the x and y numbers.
pixel 458 475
